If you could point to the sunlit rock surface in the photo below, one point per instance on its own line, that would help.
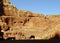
(25, 25)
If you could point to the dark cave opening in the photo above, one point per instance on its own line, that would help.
(7, 20)
(55, 37)
(1, 36)
(32, 37)
(1, 8)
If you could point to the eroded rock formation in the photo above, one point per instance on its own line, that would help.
(22, 24)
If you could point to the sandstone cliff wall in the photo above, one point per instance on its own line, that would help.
(22, 24)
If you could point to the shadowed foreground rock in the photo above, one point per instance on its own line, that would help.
(18, 24)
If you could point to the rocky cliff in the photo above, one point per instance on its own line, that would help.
(22, 24)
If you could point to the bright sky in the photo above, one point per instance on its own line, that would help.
(40, 6)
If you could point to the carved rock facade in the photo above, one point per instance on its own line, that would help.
(21, 24)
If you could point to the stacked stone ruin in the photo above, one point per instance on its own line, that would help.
(25, 25)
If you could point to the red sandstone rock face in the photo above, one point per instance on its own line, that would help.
(22, 24)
